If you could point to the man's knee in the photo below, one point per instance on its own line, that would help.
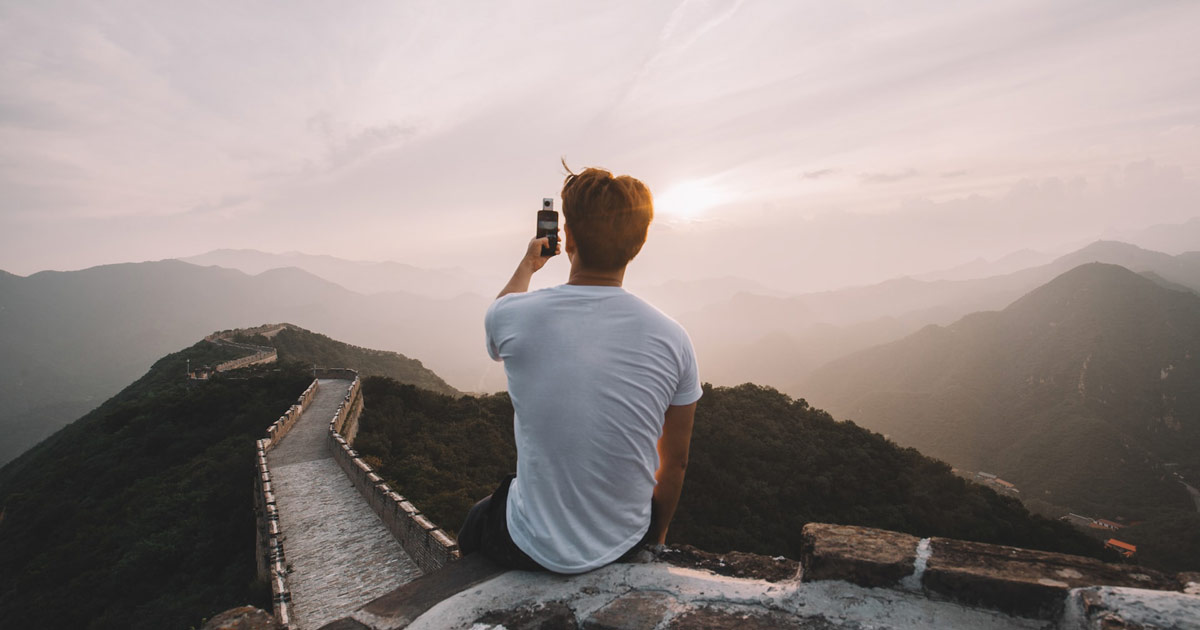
(470, 537)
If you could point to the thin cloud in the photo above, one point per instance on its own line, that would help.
(676, 36)
(887, 178)
(818, 174)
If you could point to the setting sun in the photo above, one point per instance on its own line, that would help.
(688, 199)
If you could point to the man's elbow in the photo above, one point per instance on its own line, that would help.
(676, 464)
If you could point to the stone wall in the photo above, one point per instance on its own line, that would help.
(426, 543)
(271, 563)
(345, 422)
(280, 427)
(342, 373)
(1020, 582)
(259, 354)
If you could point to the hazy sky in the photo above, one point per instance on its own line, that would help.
(808, 144)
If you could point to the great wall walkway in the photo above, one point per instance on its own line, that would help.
(340, 553)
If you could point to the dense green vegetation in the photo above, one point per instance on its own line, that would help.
(140, 514)
(762, 465)
(310, 348)
(1170, 542)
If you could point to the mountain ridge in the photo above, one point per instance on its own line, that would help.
(1083, 359)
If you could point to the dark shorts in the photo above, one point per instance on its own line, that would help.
(486, 531)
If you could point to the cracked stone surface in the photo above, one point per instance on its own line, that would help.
(1123, 608)
(699, 599)
(634, 611)
(340, 553)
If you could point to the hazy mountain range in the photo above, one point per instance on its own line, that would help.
(360, 277)
(779, 340)
(1085, 392)
(70, 339)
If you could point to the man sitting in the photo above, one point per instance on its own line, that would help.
(604, 389)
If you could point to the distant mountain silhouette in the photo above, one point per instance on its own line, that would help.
(68, 340)
(1079, 392)
(982, 268)
(739, 336)
(361, 277)
(1172, 238)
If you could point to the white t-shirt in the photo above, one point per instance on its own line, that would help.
(591, 371)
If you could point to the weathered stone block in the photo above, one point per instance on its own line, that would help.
(1022, 581)
(1119, 608)
(860, 555)
(551, 616)
(633, 611)
(423, 522)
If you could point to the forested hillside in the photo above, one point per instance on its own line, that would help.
(140, 514)
(762, 465)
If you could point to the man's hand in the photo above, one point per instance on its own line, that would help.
(530, 264)
(533, 253)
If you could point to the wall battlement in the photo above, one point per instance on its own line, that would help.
(269, 541)
(428, 546)
(426, 543)
(258, 354)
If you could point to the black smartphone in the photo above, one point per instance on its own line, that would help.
(547, 225)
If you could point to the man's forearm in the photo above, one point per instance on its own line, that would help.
(519, 283)
(533, 260)
(664, 502)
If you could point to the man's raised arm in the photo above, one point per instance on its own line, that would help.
(673, 449)
(533, 261)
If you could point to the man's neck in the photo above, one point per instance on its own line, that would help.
(583, 276)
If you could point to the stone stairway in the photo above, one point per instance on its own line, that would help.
(340, 554)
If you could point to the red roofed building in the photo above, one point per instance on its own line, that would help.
(1123, 548)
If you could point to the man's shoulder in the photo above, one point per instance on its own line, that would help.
(656, 314)
(515, 300)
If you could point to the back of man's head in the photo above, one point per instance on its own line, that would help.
(608, 217)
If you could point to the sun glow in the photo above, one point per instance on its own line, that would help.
(688, 199)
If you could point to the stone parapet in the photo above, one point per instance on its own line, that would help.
(280, 427)
(345, 374)
(427, 544)
(258, 354)
(1016, 581)
(271, 563)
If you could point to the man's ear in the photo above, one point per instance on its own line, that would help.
(568, 243)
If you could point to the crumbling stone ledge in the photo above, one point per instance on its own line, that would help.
(852, 577)
(1016, 581)
(733, 564)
